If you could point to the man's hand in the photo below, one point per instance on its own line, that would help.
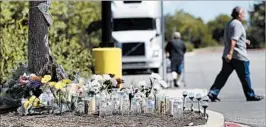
(248, 42)
(228, 57)
(167, 54)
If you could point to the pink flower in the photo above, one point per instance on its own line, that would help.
(23, 80)
(79, 91)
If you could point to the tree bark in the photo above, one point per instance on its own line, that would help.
(40, 60)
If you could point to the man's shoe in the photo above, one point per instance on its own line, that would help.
(175, 83)
(213, 98)
(255, 98)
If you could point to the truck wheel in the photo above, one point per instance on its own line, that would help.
(155, 70)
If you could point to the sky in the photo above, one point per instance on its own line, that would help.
(206, 10)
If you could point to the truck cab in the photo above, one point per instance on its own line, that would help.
(137, 31)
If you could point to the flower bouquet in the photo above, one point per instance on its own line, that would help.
(41, 95)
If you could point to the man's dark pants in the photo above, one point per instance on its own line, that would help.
(177, 66)
(242, 70)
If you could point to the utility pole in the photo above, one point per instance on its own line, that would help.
(103, 63)
(106, 24)
(163, 44)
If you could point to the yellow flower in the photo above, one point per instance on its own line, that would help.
(63, 85)
(60, 85)
(46, 79)
(66, 81)
(57, 86)
(36, 102)
(32, 98)
(52, 84)
(26, 104)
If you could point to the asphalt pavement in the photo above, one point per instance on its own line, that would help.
(201, 68)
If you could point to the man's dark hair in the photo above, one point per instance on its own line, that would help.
(236, 12)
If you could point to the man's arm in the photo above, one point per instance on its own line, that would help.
(231, 51)
(235, 32)
(168, 49)
(248, 42)
(185, 48)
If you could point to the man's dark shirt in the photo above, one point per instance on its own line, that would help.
(176, 49)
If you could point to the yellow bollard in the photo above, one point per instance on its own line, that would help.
(108, 61)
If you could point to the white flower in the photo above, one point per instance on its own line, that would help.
(31, 75)
(137, 95)
(103, 94)
(95, 83)
(99, 77)
(114, 82)
(157, 87)
(162, 83)
(96, 77)
(142, 95)
(142, 84)
(95, 89)
(82, 81)
(86, 88)
(106, 77)
(156, 76)
(128, 90)
(93, 77)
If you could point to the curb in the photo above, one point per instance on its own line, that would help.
(215, 119)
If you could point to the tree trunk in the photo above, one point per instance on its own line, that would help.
(40, 60)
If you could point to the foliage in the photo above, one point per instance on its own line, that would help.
(13, 36)
(189, 46)
(192, 29)
(256, 31)
(216, 27)
(69, 43)
(68, 39)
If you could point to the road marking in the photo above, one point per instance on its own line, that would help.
(231, 124)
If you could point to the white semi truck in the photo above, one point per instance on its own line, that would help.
(137, 31)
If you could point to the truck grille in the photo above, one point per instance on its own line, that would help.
(133, 49)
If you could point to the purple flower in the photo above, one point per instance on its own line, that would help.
(35, 84)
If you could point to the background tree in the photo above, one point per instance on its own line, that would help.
(216, 27)
(192, 29)
(40, 61)
(256, 30)
(70, 43)
(68, 40)
(13, 36)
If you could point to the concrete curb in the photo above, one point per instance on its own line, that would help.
(215, 119)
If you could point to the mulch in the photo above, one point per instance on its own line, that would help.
(71, 120)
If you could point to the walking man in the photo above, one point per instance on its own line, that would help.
(175, 50)
(235, 58)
